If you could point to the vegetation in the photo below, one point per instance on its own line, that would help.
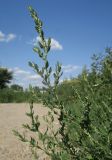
(85, 123)
(8, 95)
(5, 77)
(16, 94)
(16, 87)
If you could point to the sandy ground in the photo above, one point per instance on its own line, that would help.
(12, 116)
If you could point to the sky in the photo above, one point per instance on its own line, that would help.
(78, 29)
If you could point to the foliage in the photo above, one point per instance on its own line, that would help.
(85, 126)
(68, 97)
(16, 87)
(8, 95)
(16, 94)
(5, 77)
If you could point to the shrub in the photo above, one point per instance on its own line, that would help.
(85, 126)
(8, 95)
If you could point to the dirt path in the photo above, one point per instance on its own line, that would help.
(12, 116)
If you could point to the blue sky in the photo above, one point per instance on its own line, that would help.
(78, 29)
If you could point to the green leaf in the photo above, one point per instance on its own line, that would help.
(49, 45)
(30, 64)
(46, 64)
(49, 42)
(33, 142)
(46, 77)
(40, 44)
(54, 75)
(50, 70)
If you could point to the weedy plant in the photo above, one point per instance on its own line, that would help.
(85, 127)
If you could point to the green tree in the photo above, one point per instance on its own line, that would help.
(16, 87)
(5, 77)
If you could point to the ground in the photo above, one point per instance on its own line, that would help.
(12, 116)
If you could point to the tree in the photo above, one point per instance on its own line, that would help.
(16, 87)
(5, 77)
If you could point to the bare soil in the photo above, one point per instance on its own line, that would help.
(12, 116)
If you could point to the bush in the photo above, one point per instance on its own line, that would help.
(16, 94)
(85, 130)
(8, 95)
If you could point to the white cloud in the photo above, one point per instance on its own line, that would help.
(55, 45)
(18, 71)
(25, 78)
(10, 37)
(6, 38)
(2, 36)
(33, 77)
(24, 74)
(70, 68)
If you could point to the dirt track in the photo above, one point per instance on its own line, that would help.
(12, 116)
